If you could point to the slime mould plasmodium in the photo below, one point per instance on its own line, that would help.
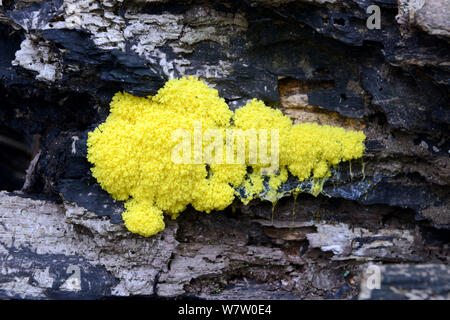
(132, 152)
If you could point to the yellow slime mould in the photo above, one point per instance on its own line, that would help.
(131, 152)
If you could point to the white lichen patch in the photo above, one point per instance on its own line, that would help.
(147, 31)
(181, 33)
(151, 31)
(97, 17)
(37, 56)
(114, 25)
(172, 68)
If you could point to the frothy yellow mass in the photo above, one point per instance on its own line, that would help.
(131, 152)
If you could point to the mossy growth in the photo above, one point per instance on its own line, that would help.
(131, 153)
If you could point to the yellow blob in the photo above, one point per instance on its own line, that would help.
(143, 218)
(131, 152)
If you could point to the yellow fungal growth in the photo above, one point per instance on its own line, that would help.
(132, 153)
(143, 218)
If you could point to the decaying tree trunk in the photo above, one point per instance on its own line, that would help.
(378, 231)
